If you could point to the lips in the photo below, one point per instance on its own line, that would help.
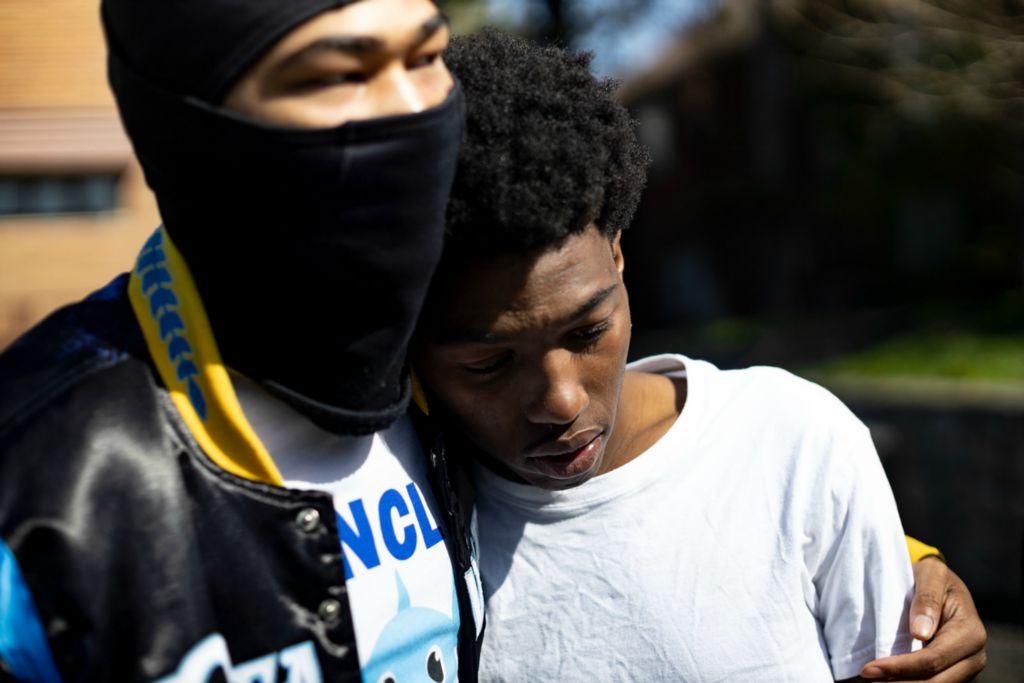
(564, 461)
(563, 446)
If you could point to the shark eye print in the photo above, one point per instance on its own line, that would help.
(418, 644)
(435, 665)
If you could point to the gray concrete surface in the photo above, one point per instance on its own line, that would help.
(1005, 653)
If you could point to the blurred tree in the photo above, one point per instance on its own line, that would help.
(560, 22)
(827, 154)
(466, 16)
(623, 34)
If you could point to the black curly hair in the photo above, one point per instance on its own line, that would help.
(548, 149)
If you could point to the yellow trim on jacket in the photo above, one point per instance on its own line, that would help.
(180, 340)
(919, 550)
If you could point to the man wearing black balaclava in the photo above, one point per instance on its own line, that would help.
(205, 466)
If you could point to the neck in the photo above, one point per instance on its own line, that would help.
(648, 407)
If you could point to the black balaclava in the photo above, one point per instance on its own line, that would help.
(312, 249)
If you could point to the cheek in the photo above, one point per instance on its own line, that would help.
(433, 82)
(476, 414)
(610, 368)
(469, 412)
(490, 431)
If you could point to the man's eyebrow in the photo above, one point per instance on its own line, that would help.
(593, 302)
(359, 45)
(472, 336)
(468, 336)
(431, 26)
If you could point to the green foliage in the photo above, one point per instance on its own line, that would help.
(955, 355)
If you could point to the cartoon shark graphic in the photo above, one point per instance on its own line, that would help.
(418, 644)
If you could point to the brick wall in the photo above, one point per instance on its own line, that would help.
(52, 68)
(52, 54)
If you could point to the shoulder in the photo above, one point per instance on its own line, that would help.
(788, 430)
(89, 472)
(72, 344)
(77, 395)
(759, 382)
(768, 409)
(780, 398)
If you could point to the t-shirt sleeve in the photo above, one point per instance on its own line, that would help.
(859, 564)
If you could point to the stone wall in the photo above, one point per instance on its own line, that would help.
(957, 471)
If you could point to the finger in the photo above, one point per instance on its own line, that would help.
(954, 643)
(919, 665)
(961, 672)
(931, 581)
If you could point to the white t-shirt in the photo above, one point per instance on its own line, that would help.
(397, 568)
(757, 540)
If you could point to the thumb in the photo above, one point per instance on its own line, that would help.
(930, 580)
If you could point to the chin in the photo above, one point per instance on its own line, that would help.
(562, 484)
(559, 483)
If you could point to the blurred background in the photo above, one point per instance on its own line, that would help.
(837, 188)
(74, 208)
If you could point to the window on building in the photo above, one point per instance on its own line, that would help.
(55, 194)
(61, 161)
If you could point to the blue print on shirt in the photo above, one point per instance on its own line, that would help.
(418, 644)
(404, 525)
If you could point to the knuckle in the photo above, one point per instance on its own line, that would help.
(931, 663)
(928, 601)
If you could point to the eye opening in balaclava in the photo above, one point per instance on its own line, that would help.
(312, 250)
(201, 47)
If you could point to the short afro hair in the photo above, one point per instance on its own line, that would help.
(548, 148)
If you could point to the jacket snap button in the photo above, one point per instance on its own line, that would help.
(329, 610)
(308, 519)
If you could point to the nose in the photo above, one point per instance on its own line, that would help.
(558, 396)
(397, 93)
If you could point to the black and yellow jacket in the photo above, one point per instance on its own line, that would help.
(130, 552)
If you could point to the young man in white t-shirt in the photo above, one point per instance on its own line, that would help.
(669, 521)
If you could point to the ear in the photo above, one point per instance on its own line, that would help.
(616, 245)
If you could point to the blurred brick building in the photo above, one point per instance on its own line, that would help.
(73, 203)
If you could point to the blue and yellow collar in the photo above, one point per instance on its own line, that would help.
(180, 340)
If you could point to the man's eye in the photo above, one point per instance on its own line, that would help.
(489, 366)
(587, 336)
(332, 80)
(425, 60)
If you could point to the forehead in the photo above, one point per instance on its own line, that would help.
(380, 20)
(524, 290)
